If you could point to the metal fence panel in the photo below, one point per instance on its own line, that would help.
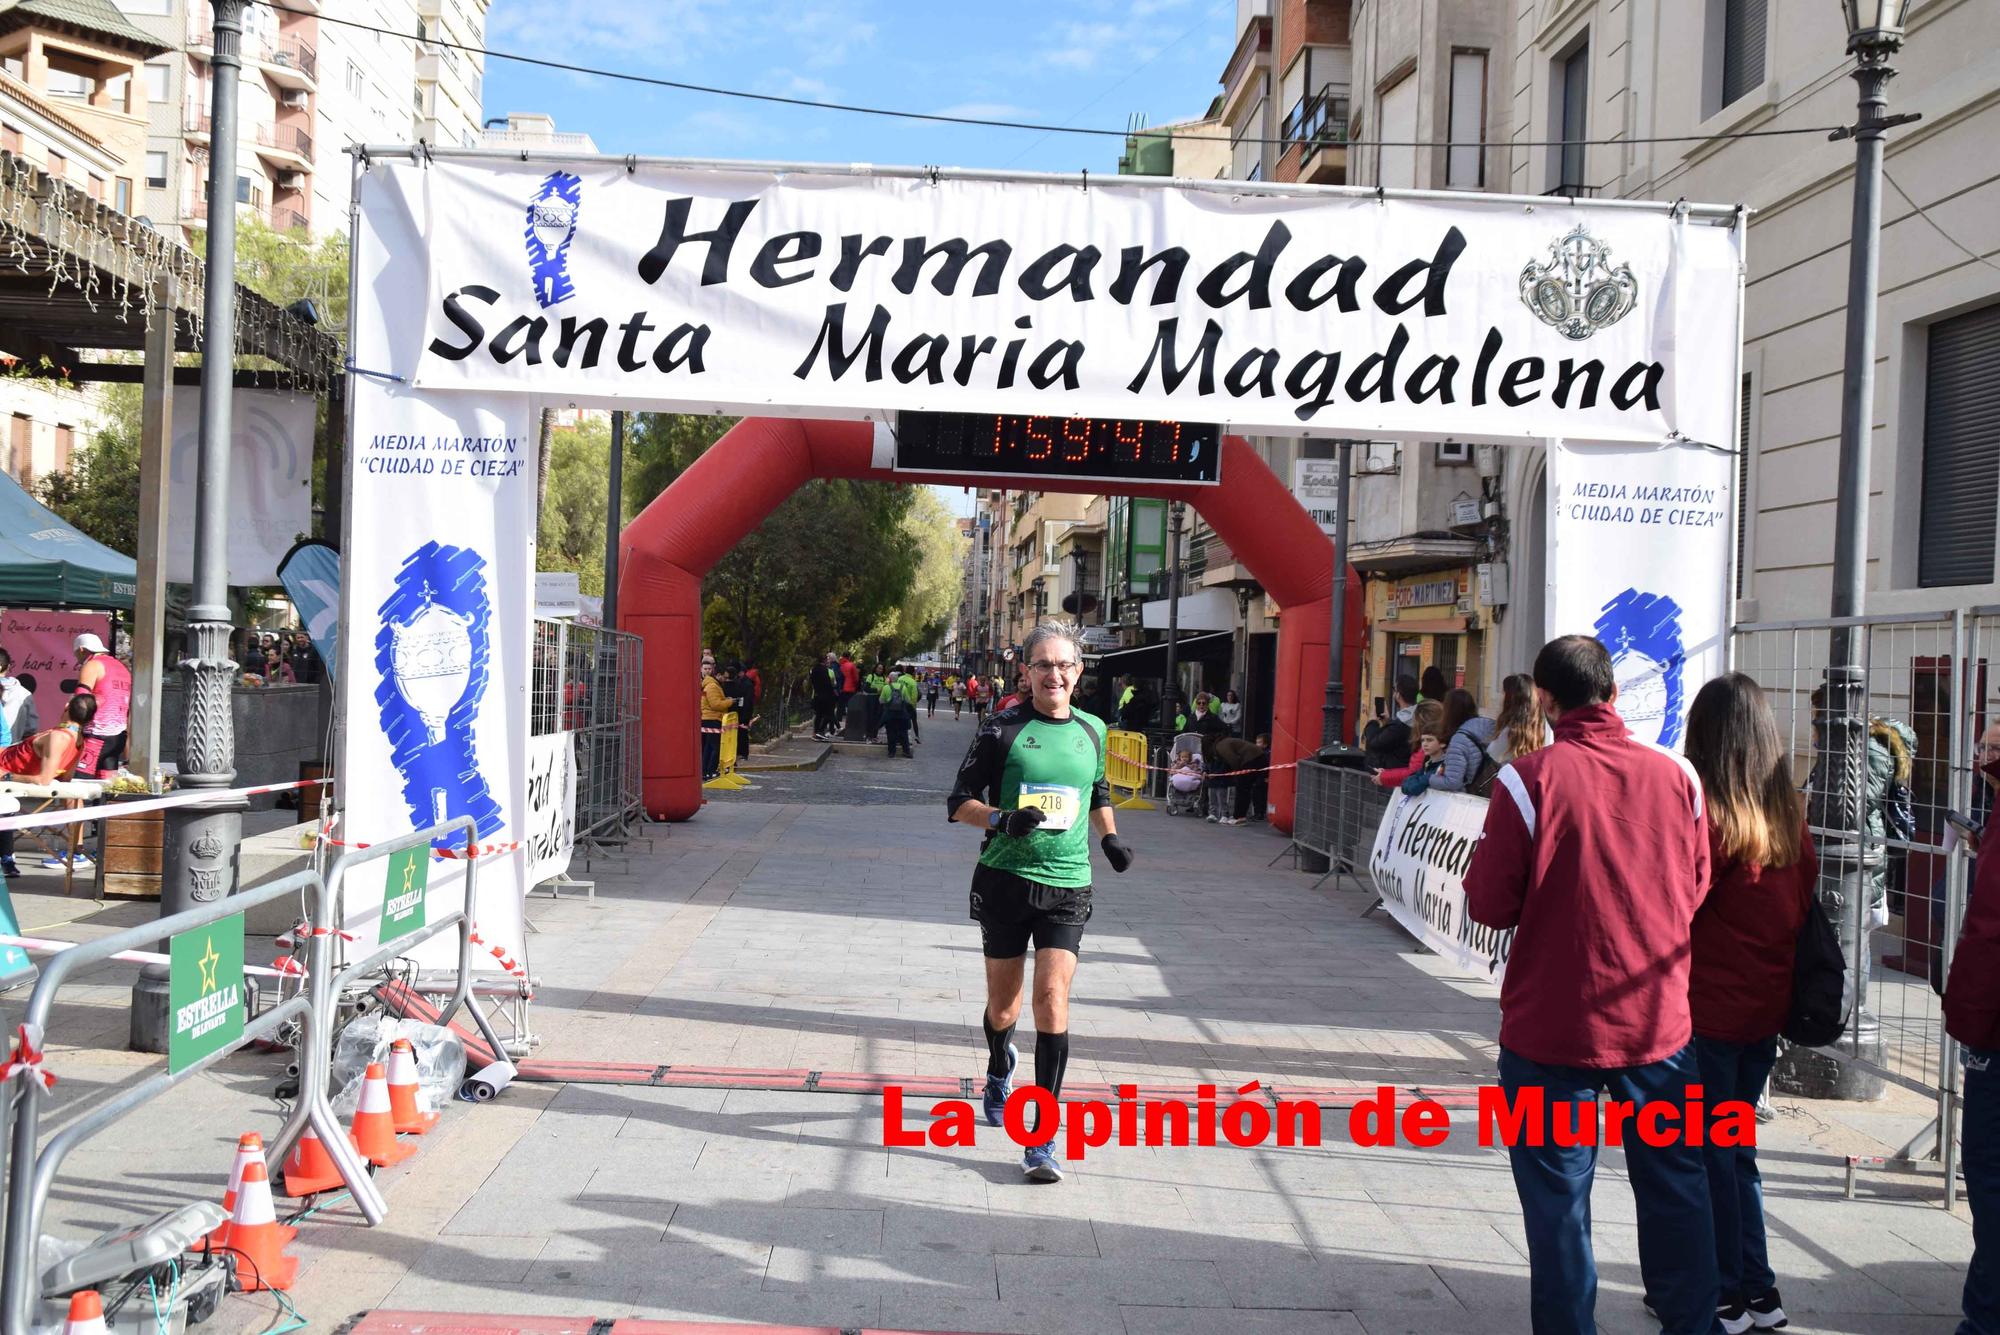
(586, 681)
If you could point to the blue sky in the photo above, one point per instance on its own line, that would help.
(1083, 62)
(1075, 62)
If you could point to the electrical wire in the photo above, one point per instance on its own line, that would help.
(942, 118)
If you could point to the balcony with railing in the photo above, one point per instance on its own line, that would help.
(1319, 121)
(195, 124)
(290, 63)
(288, 145)
(288, 220)
(1571, 190)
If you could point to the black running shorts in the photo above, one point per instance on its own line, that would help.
(1011, 910)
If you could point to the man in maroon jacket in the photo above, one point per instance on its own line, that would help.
(1972, 1016)
(1595, 851)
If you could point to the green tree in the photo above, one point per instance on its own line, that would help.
(920, 618)
(572, 520)
(100, 493)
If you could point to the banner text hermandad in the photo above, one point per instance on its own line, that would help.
(1297, 314)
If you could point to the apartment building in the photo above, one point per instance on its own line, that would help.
(309, 89)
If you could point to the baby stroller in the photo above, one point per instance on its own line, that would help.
(1184, 781)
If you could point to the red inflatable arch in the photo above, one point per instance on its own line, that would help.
(731, 488)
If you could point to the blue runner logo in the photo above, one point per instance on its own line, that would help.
(1643, 633)
(552, 216)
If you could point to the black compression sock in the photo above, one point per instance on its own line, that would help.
(996, 1045)
(1051, 1060)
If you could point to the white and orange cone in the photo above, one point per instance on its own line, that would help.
(408, 1109)
(311, 1169)
(254, 1231)
(86, 1314)
(374, 1125)
(249, 1147)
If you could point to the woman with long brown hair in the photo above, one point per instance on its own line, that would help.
(1521, 727)
(1761, 873)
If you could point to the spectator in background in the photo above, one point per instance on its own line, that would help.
(277, 669)
(1466, 767)
(1393, 742)
(1595, 851)
(1426, 721)
(1252, 789)
(1521, 728)
(110, 681)
(899, 711)
(306, 667)
(1230, 710)
(850, 681)
(714, 704)
(1761, 875)
(826, 698)
(1433, 686)
(1972, 1016)
(1208, 725)
(18, 720)
(1135, 707)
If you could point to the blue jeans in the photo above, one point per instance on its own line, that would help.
(1981, 1153)
(1676, 1234)
(1735, 1188)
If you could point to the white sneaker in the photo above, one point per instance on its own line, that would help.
(82, 859)
(1215, 820)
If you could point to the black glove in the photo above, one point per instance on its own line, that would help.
(1023, 820)
(1116, 851)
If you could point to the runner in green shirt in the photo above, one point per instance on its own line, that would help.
(1034, 781)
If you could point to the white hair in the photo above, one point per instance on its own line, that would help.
(1052, 630)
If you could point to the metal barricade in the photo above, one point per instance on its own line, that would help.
(31, 1171)
(1891, 876)
(585, 681)
(1336, 812)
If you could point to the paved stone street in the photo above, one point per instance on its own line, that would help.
(777, 932)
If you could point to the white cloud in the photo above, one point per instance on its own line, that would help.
(1080, 46)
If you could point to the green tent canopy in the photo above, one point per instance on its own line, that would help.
(46, 562)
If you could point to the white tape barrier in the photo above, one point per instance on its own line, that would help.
(120, 810)
(41, 946)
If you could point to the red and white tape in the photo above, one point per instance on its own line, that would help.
(119, 810)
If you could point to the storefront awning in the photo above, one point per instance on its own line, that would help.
(1150, 660)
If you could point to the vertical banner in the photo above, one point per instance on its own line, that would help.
(1639, 541)
(551, 820)
(438, 591)
(40, 643)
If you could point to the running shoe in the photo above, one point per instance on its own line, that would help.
(1040, 1164)
(7, 868)
(56, 863)
(1767, 1312)
(1733, 1316)
(1215, 820)
(998, 1087)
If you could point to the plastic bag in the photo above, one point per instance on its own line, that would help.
(440, 1058)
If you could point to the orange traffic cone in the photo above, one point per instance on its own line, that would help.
(408, 1108)
(255, 1233)
(374, 1131)
(86, 1314)
(311, 1169)
(249, 1146)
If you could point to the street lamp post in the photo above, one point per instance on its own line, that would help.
(1335, 708)
(1176, 516)
(200, 842)
(1849, 864)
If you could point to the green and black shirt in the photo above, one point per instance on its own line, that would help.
(1019, 758)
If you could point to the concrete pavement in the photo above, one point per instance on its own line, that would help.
(794, 926)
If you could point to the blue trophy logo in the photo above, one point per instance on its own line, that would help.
(552, 214)
(431, 657)
(1643, 633)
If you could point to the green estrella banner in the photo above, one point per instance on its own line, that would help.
(204, 991)
(403, 892)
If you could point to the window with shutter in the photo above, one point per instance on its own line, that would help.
(1743, 452)
(1742, 47)
(1961, 489)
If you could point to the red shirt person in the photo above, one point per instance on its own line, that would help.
(101, 675)
(1595, 851)
(1972, 1016)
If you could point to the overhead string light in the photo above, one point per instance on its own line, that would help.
(1038, 127)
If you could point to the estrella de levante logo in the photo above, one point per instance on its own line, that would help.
(552, 216)
(1648, 659)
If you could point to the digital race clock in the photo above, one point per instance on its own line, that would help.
(1088, 448)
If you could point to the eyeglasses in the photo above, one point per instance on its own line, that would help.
(1051, 667)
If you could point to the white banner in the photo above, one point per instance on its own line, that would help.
(1328, 314)
(270, 482)
(551, 821)
(1639, 541)
(437, 607)
(1422, 849)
